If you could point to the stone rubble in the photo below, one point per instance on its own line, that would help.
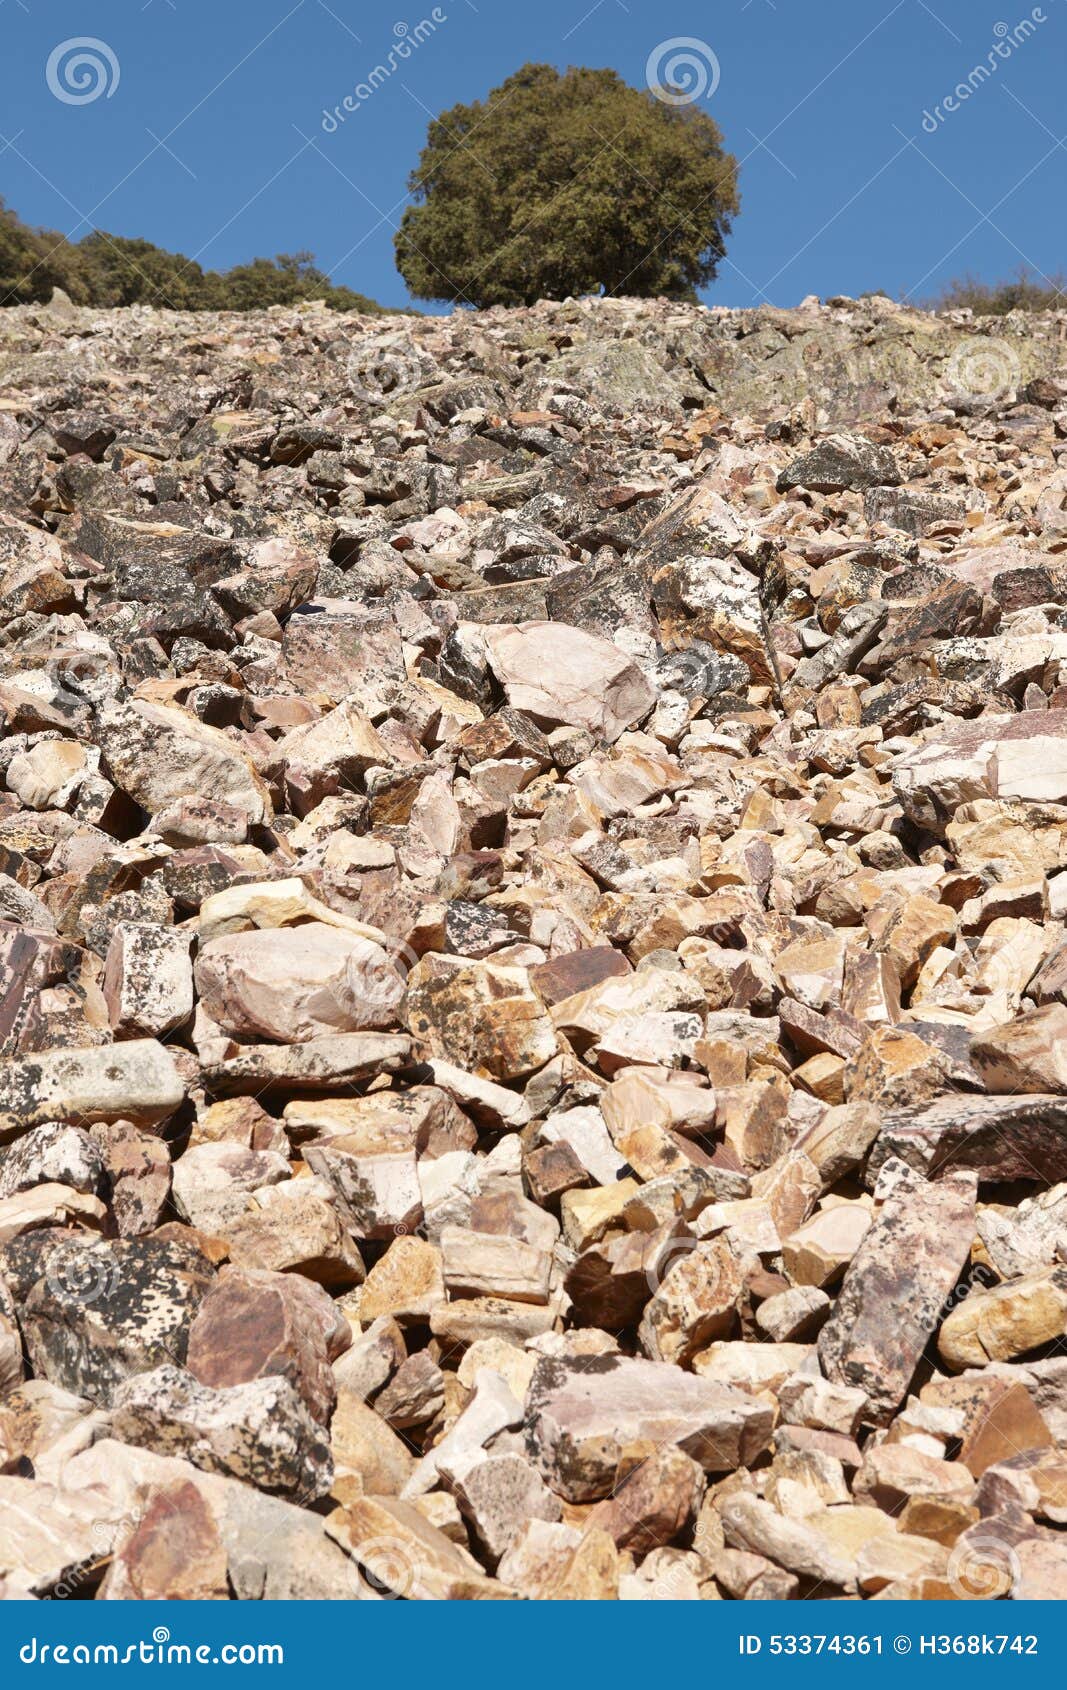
(533, 954)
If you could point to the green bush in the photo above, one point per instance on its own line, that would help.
(564, 184)
(109, 270)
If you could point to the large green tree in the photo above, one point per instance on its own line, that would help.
(563, 184)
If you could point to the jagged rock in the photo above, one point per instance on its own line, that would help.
(563, 675)
(211, 1183)
(98, 1313)
(365, 1444)
(550, 1562)
(1026, 1239)
(654, 1504)
(893, 1474)
(498, 1495)
(407, 1282)
(491, 1410)
(296, 983)
(54, 1153)
(998, 1138)
(696, 1301)
(416, 1393)
(139, 1171)
(999, 1418)
(821, 1248)
(330, 1063)
(255, 1324)
(794, 1314)
(897, 1285)
(378, 1195)
(51, 1541)
(1026, 1055)
(271, 903)
(148, 980)
(258, 1432)
(296, 1228)
(583, 1415)
(612, 1280)
(272, 1549)
(38, 1419)
(48, 1206)
(1020, 757)
(840, 461)
(157, 753)
(403, 1555)
(1006, 1321)
(484, 1016)
(795, 1545)
(175, 1552)
(136, 1082)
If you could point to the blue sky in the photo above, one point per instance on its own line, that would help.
(212, 143)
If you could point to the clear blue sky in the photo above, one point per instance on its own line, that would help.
(212, 141)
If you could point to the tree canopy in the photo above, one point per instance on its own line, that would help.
(567, 183)
(109, 270)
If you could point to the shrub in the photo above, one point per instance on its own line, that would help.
(1026, 292)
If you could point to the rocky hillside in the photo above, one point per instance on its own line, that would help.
(533, 882)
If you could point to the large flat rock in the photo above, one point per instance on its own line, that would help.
(582, 1416)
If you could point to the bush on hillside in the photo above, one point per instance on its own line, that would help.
(1026, 292)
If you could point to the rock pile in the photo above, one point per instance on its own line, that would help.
(533, 970)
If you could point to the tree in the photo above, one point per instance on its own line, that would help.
(117, 271)
(109, 270)
(564, 184)
(33, 262)
(285, 280)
